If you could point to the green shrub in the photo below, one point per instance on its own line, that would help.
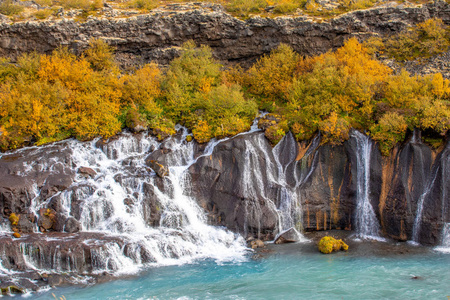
(271, 77)
(390, 130)
(43, 14)
(423, 40)
(245, 7)
(9, 8)
(100, 55)
(143, 4)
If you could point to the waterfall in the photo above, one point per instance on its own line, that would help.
(290, 209)
(440, 171)
(419, 212)
(366, 222)
(114, 208)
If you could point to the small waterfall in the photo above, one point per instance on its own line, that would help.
(440, 171)
(367, 226)
(253, 184)
(290, 209)
(419, 213)
(445, 243)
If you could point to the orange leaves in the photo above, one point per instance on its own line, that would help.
(202, 132)
(58, 96)
(63, 67)
(142, 88)
(334, 129)
(440, 87)
(272, 75)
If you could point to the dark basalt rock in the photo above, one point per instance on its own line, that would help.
(87, 172)
(152, 209)
(72, 225)
(222, 182)
(26, 223)
(31, 173)
(159, 169)
(156, 36)
(436, 204)
(406, 174)
(328, 195)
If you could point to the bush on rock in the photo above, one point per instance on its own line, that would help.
(329, 244)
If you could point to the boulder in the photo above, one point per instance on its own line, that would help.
(256, 243)
(72, 225)
(26, 223)
(87, 172)
(47, 219)
(9, 288)
(159, 169)
(289, 236)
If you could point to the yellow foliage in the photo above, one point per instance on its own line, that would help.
(142, 88)
(426, 39)
(100, 55)
(202, 132)
(391, 129)
(435, 115)
(14, 219)
(329, 244)
(334, 129)
(272, 75)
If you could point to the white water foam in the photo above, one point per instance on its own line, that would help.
(445, 244)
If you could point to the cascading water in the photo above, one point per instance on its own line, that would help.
(129, 217)
(420, 202)
(290, 209)
(366, 222)
(115, 204)
(442, 171)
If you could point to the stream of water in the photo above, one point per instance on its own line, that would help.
(367, 225)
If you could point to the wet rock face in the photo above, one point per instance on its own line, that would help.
(71, 255)
(329, 193)
(436, 202)
(232, 185)
(406, 176)
(244, 185)
(155, 36)
(33, 173)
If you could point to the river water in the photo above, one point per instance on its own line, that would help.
(369, 270)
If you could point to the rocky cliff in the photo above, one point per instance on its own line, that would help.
(406, 190)
(245, 185)
(156, 36)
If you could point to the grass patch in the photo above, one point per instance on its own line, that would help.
(143, 4)
(43, 14)
(9, 8)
